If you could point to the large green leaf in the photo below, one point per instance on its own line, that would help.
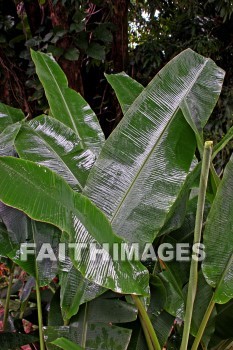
(137, 195)
(99, 336)
(218, 240)
(108, 308)
(161, 320)
(48, 142)
(76, 290)
(127, 90)
(145, 161)
(9, 115)
(173, 281)
(93, 327)
(202, 299)
(67, 105)
(45, 196)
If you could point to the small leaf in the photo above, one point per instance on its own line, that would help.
(126, 89)
(72, 54)
(103, 33)
(96, 51)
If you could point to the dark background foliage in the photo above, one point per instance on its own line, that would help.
(89, 38)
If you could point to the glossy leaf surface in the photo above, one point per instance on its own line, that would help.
(45, 196)
(48, 142)
(75, 289)
(99, 336)
(7, 139)
(145, 161)
(218, 240)
(66, 105)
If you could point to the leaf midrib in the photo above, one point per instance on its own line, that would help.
(155, 145)
(61, 94)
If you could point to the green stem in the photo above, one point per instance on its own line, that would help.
(210, 306)
(53, 290)
(193, 277)
(8, 297)
(146, 334)
(147, 322)
(38, 297)
(66, 322)
(203, 324)
(39, 310)
(22, 308)
(84, 333)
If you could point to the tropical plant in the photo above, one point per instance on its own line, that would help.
(61, 183)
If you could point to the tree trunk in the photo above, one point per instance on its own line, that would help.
(33, 12)
(72, 69)
(120, 36)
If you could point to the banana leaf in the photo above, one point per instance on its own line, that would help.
(48, 142)
(145, 162)
(66, 105)
(45, 196)
(218, 240)
(94, 328)
(126, 89)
